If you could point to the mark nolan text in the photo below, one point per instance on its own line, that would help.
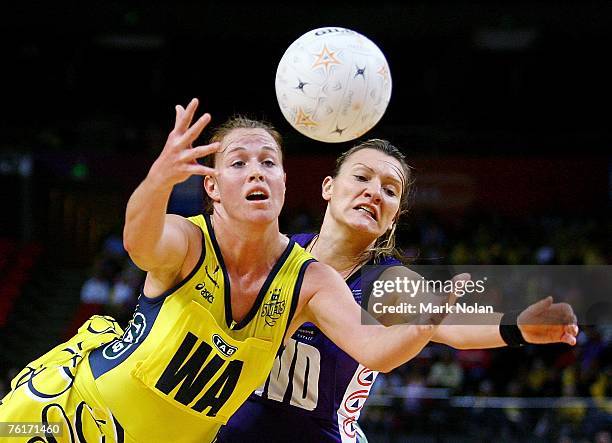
(432, 308)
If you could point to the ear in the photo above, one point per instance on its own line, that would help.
(211, 188)
(327, 188)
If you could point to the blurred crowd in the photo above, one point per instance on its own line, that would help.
(566, 392)
(480, 238)
(114, 284)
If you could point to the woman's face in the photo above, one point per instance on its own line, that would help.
(250, 181)
(366, 193)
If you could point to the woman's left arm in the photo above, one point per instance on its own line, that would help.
(543, 322)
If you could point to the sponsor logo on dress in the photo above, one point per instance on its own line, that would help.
(131, 336)
(223, 347)
(208, 296)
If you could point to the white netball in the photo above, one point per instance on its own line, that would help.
(333, 84)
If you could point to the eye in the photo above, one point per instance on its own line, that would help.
(360, 178)
(390, 192)
(268, 163)
(238, 164)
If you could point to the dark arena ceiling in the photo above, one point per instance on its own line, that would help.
(474, 77)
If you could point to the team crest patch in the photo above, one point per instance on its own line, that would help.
(273, 310)
(223, 347)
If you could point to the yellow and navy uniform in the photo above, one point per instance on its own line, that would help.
(183, 366)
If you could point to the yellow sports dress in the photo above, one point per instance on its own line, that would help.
(183, 366)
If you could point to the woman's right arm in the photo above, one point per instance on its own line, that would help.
(155, 240)
(330, 305)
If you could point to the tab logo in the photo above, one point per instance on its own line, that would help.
(224, 348)
(131, 337)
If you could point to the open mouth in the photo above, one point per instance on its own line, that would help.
(257, 196)
(367, 210)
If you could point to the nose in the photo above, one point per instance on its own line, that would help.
(372, 191)
(256, 174)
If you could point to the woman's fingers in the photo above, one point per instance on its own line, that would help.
(194, 132)
(202, 151)
(185, 116)
(197, 169)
